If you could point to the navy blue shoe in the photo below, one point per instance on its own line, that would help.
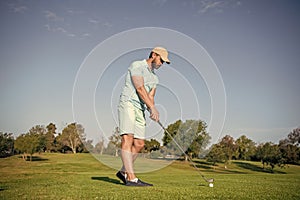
(148, 184)
(139, 183)
(121, 176)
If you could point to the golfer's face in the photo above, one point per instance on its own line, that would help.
(157, 62)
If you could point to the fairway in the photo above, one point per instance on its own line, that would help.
(81, 176)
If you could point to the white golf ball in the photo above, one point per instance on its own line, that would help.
(211, 185)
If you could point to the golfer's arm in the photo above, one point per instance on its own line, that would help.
(151, 95)
(148, 99)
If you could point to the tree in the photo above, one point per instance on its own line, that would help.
(200, 142)
(6, 144)
(50, 138)
(30, 142)
(110, 149)
(38, 132)
(270, 154)
(20, 145)
(99, 147)
(289, 147)
(245, 147)
(224, 151)
(294, 137)
(172, 129)
(289, 151)
(216, 154)
(229, 147)
(150, 145)
(72, 136)
(86, 146)
(115, 141)
(190, 137)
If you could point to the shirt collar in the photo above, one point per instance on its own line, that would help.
(147, 66)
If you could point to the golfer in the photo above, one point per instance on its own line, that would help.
(138, 95)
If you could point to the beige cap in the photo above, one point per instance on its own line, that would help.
(163, 53)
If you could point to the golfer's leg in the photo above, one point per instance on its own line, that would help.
(138, 144)
(127, 156)
(139, 133)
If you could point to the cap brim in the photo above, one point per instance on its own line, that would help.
(166, 60)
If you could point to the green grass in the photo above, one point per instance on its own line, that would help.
(81, 176)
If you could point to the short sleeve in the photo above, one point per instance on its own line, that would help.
(136, 70)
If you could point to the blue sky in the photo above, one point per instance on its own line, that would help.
(254, 44)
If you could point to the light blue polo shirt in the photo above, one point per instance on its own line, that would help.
(138, 68)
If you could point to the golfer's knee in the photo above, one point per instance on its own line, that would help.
(139, 144)
(127, 142)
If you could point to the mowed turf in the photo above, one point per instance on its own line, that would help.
(81, 176)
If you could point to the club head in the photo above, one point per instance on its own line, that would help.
(211, 180)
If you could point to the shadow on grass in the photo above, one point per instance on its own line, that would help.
(35, 158)
(198, 163)
(250, 166)
(256, 168)
(3, 188)
(107, 179)
(203, 185)
(203, 164)
(208, 167)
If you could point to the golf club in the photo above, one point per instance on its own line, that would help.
(210, 180)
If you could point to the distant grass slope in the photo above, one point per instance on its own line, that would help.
(81, 176)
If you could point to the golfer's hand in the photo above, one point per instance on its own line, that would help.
(154, 114)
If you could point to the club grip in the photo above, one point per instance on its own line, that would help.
(161, 125)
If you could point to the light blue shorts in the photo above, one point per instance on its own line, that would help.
(131, 120)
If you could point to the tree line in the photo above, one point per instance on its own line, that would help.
(72, 139)
(190, 136)
(44, 139)
(287, 151)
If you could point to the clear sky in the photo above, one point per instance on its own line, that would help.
(254, 44)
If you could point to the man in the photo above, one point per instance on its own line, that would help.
(138, 92)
